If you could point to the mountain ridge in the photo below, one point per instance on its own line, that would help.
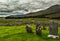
(45, 13)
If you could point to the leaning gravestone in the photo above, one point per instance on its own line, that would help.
(28, 28)
(53, 30)
(38, 29)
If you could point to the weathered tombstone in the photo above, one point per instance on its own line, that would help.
(38, 29)
(37, 25)
(28, 28)
(53, 30)
(44, 26)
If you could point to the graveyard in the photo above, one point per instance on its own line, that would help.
(19, 33)
(29, 20)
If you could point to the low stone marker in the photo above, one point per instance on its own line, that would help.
(53, 30)
(28, 28)
(44, 26)
(38, 29)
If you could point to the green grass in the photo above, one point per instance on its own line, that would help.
(18, 33)
(14, 21)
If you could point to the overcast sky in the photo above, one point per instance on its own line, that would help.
(3, 0)
(24, 1)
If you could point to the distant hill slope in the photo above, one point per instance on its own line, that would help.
(52, 12)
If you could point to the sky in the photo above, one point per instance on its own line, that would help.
(25, 1)
(41, 4)
(3, 0)
(32, 3)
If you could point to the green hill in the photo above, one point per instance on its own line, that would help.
(52, 12)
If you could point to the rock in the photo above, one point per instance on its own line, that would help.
(44, 26)
(28, 28)
(53, 29)
(38, 29)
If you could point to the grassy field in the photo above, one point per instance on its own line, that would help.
(18, 33)
(15, 21)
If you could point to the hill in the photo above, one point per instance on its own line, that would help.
(53, 11)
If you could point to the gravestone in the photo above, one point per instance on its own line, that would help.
(38, 25)
(44, 26)
(38, 29)
(53, 30)
(28, 28)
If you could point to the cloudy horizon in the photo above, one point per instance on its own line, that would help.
(26, 6)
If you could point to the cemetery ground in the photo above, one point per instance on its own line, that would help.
(18, 33)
